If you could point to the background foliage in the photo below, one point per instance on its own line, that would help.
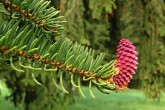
(100, 24)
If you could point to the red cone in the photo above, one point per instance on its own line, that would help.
(126, 63)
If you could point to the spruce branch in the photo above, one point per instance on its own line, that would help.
(62, 55)
(36, 12)
(26, 44)
(65, 56)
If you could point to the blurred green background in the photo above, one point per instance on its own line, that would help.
(100, 24)
(126, 100)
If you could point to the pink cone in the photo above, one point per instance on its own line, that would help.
(126, 63)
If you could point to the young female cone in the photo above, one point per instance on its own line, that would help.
(126, 63)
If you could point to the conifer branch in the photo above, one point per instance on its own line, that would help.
(27, 45)
(63, 55)
(36, 12)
